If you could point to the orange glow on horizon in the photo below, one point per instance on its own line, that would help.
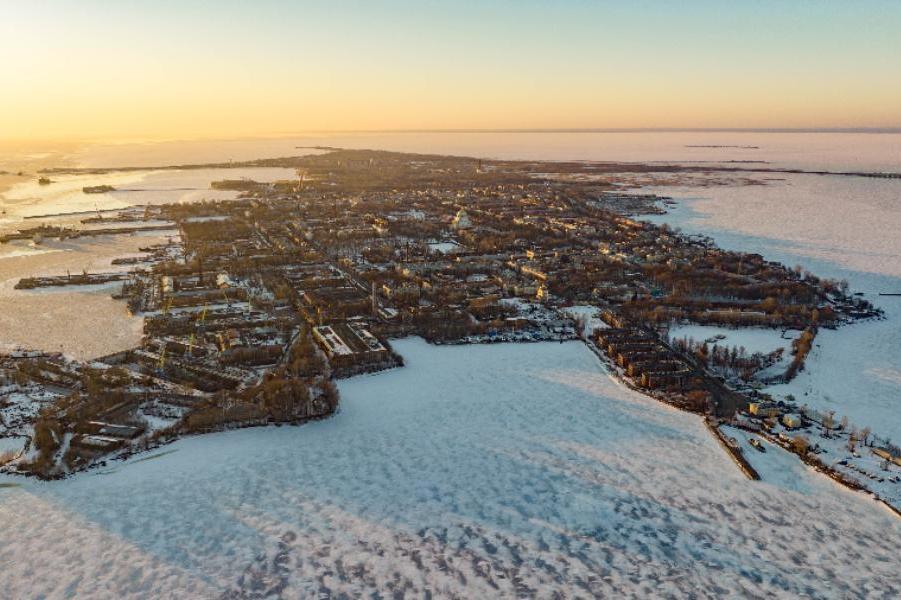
(138, 70)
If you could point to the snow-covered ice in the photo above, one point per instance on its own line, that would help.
(82, 321)
(505, 470)
(64, 195)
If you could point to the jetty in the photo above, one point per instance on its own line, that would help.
(63, 233)
(733, 450)
(30, 283)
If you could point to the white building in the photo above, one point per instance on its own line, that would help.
(461, 220)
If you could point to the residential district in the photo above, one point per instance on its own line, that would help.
(258, 304)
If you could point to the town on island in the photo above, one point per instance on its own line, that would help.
(256, 305)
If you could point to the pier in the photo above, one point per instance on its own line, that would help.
(61, 233)
(30, 283)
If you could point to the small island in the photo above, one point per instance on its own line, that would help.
(98, 189)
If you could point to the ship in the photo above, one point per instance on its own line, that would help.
(97, 189)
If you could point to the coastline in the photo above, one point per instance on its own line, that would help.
(856, 369)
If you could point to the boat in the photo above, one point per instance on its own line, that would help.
(756, 443)
(97, 189)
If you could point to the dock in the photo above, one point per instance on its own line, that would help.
(60, 233)
(30, 283)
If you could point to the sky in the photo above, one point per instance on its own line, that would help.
(79, 69)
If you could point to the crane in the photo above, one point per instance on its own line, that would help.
(198, 327)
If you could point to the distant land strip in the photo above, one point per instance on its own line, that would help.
(580, 166)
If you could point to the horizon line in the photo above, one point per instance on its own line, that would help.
(138, 138)
(888, 129)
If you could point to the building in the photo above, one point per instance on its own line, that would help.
(764, 409)
(350, 345)
(791, 421)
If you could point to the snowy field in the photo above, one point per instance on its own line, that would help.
(590, 316)
(11, 444)
(500, 471)
(753, 339)
(445, 247)
(856, 372)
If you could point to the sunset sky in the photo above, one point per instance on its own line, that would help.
(179, 68)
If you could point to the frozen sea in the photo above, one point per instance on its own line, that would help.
(29, 199)
(496, 471)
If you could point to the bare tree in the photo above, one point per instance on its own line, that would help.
(865, 435)
(829, 420)
(800, 444)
